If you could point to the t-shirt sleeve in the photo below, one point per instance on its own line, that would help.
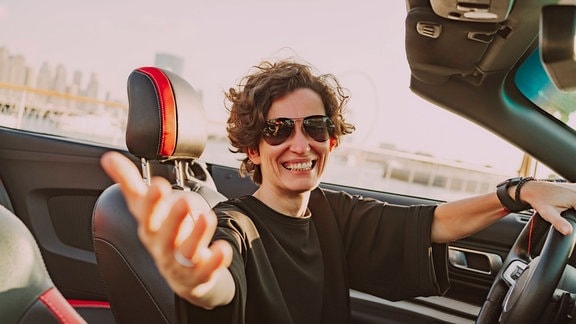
(388, 248)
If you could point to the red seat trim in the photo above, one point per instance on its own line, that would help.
(60, 308)
(79, 303)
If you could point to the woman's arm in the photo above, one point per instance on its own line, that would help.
(458, 219)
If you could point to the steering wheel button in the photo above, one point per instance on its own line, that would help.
(516, 274)
(514, 271)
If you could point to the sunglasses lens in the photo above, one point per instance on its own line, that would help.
(318, 127)
(277, 130)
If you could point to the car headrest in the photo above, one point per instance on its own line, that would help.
(166, 119)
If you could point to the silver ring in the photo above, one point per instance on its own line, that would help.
(182, 260)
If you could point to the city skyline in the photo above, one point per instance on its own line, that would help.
(15, 70)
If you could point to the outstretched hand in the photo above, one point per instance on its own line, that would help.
(176, 235)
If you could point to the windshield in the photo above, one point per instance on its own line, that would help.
(533, 81)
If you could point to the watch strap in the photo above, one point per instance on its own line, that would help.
(505, 199)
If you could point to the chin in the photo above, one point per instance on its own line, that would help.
(303, 187)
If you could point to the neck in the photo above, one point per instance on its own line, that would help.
(293, 204)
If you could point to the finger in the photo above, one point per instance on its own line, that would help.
(154, 207)
(186, 227)
(562, 226)
(215, 258)
(200, 237)
(556, 220)
(171, 225)
(140, 198)
(124, 172)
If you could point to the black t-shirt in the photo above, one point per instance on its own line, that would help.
(300, 270)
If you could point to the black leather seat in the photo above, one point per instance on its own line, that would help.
(27, 294)
(166, 125)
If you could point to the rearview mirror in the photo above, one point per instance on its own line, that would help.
(557, 44)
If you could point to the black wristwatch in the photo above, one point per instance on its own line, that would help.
(511, 204)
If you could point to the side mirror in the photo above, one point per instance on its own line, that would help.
(557, 44)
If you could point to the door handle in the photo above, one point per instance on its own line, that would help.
(473, 260)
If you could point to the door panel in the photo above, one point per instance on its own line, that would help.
(52, 185)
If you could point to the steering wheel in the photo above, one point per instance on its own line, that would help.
(524, 285)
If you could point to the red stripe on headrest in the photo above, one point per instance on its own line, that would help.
(167, 110)
(59, 307)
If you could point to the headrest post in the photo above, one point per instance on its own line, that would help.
(181, 166)
(145, 170)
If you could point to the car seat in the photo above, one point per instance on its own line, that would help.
(166, 126)
(27, 294)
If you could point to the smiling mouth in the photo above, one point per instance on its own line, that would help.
(300, 166)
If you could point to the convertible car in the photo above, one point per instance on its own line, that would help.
(504, 70)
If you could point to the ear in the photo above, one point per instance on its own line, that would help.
(332, 143)
(254, 155)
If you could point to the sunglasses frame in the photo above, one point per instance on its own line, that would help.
(275, 134)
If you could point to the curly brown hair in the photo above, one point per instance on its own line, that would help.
(250, 102)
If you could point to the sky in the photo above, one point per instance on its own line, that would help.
(361, 42)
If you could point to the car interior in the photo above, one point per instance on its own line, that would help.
(69, 245)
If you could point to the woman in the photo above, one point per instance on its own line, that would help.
(290, 252)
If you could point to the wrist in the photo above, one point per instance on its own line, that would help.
(509, 192)
(518, 189)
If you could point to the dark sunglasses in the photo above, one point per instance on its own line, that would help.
(277, 130)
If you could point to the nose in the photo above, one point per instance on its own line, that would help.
(299, 141)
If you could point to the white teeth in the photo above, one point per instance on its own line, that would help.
(302, 166)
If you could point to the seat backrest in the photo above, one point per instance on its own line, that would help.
(166, 124)
(27, 294)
